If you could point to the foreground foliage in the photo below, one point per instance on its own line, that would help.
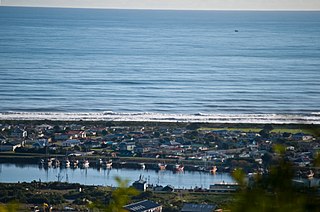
(275, 191)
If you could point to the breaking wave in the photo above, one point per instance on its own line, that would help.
(312, 118)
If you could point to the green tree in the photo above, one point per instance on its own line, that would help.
(119, 198)
(274, 192)
(11, 207)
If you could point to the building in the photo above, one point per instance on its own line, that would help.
(41, 143)
(140, 184)
(168, 188)
(144, 206)
(10, 146)
(224, 187)
(71, 143)
(127, 146)
(18, 133)
(189, 207)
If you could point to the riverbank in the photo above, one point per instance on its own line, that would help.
(62, 196)
(117, 162)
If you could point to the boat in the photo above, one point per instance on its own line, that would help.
(201, 168)
(142, 165)
(162, 166)
(85, 164)
(66, 163)
(42, 162)
(55, 162)
(49, 162)
(179, 167)
(213, 170)
(99, 162)
(107, 164)
(74, 163)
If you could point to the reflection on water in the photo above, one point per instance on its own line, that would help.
(91, 176)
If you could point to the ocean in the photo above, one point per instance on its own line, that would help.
(163, 62)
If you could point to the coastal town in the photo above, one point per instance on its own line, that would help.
(178, 147)
(190, 146)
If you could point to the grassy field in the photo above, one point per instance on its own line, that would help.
(179, 198)
(231, 129)
(277, 129)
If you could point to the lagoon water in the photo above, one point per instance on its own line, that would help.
(89, 60)
(91, 176)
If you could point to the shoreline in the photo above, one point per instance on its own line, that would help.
(313, 118)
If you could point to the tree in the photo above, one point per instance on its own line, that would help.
(119, 198)
(274, 192)
(11, 207)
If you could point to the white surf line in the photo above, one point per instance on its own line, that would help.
(158, 117)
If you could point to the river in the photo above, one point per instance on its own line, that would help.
(106, 177)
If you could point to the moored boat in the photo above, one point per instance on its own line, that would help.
(162, 166)
(66, 163)
(213, 170)
(55, 162)
(107, 164)
(85, 163)
(179, 167)
(99, 162)
(142, 165)
(74, 163)
(49, 162)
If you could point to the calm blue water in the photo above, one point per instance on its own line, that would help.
(78, 60)
(90, 176)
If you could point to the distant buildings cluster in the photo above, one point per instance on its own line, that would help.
(225, 148)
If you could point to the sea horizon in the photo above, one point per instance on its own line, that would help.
(164, 9)
(78, 60)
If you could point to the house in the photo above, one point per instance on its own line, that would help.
(60, 136)
(172, 143)
(70, 143)
(189, 207)
(301, 137)
(92, 144)
(141, 149)
(40, 143)
(18, 133)
(76, 134)
(127, 146)
(220, 132)
(10, 146)
(168, 188)
(224, 187)
(140, 184)
(158, 188)
(144, 206)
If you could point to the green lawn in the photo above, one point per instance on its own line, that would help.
(232, 129)
(278, 129)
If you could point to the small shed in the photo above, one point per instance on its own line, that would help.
(168, 188)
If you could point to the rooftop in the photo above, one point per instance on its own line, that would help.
(189, 207)
(141, 206)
